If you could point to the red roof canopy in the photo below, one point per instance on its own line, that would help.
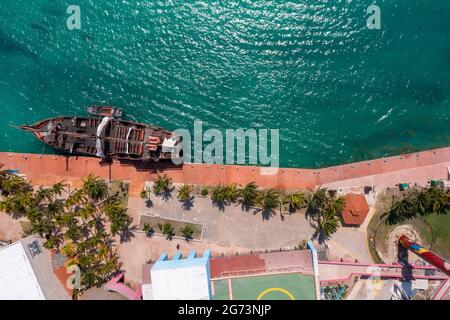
(355, 210)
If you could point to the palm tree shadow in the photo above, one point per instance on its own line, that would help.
(109, 242)
(390, 218)
(148, 203)
(188, 204)
(319, 236)
(402, 258)
(85, 231)
(266, 214)
(322, 238)
(150, 234)
(128, 233)
(402, 255)
(167, 195)
(219, 204)
(169, 236)
(15, 215)
(246, 207)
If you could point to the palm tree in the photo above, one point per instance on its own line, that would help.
(162, 184)
(316, 202)
(401, 209)
(90, 278)
(76, 223)
(231, 192)
(120, 223)
(41, 227)
(148, 229)
(44, 194)
(187, 232)
(76, 198)
(204, 192)
(184, 192)
(335, 206)
(422, 200)
(326, 226)
(59, 188)
(439, 200)
(86, 212)
(14, 184)
(109, 265)
(294, 201)
(95, 188)
(218, 194)
(113, 206)
(3, 175)
(54, 209)
(54, 240)
(249, 194)
(69, 249)
(34, 214)
(73, 233)
(66, 219)
(269, 199)
(8, 205)
(166, 229)
(446, 208)
(144, 194)
(17, 204)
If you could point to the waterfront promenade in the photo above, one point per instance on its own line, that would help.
(417, 167)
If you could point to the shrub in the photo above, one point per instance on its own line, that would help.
(204, 192)
(162, 184)
(184, 192)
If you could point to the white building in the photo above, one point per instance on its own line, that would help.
(179, 279)
(26, 273)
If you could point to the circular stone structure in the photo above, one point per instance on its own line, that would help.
(393, 243)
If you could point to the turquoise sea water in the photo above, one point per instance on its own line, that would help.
(337, 91)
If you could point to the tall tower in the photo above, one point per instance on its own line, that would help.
(425, 254)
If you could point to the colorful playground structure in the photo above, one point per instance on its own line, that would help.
(425, 254)
(116, 284)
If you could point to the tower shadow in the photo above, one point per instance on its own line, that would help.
(402, 258)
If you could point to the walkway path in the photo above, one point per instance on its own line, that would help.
(416, 167)
(332, 271)
(232, 226)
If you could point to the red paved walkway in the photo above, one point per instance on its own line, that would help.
(262, 263)
(47, 169)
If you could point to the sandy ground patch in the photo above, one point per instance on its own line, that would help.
(141, 249)
(10, 229)
(231, 226)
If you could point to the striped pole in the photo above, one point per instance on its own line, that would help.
(425, 254)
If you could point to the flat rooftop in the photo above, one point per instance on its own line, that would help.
(26, 272)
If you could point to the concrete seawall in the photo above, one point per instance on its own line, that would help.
(417, 167)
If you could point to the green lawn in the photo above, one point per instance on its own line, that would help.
(384, 230)
(440, 224)
(121, 189)
(434, 231)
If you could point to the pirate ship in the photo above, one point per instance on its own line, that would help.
(106, 135)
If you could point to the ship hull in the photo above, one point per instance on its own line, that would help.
(107, 138)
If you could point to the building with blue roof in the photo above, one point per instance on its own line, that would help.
(180, 278)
